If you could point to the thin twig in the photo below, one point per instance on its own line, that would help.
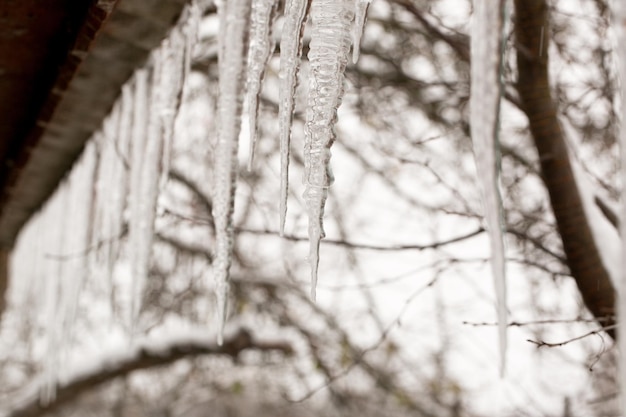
(541, 343)
(540, 322)
(338, 242)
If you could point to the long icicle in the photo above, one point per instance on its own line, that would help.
(234, 18)
(486, 91)
(107, 188)
(149, 183)
(172, 74)
(328, 57)
(290, 52)
(120, 176)
(139, 134)
(178, 51)
(56, 237)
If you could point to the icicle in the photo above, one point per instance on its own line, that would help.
(107, 187)
(190, 32)
(101, 193)
(93, 234)
(361, 7)
(259, 53)
(234, 18)
(119, 176)
(328, 56)
(486, 58)
(191, 36)
(290, 52)
(171, 84)
(149, 181)
(179, 52)
(620, 29)
(136, 204)
(79, 188)
(110, 172)
(55, 245)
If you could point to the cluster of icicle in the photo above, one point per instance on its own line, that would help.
(130, 156)
(245, 47)
(50, 261)
(111, 194)
(157, 96)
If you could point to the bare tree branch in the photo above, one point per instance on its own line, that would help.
(205, 200)
(607, 329)
(339, 242)
(144, 358)
(540, 322)
(608, 212)
(184, 247)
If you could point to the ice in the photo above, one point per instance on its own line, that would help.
(328, 57)
(65, 242)
(56, 243)
(119, 175)
(78, 222)
(156, 102)
(109, 166)
(171, 84)
(259, 53)
(234, 19)
(149, 178)
(176, 54)
(290, 52)
(191, 35)
(190, 32)
(360, 12)
(136, 204)
(486, 55)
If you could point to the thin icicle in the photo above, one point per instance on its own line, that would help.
(171, 79)
(328, 56)
(114, 174)
(620, 29)
(360, 13)
(119, 176)
(107, 187)
(176, 53)
(234, 18)
(136, 205)
(149, 182)
(65, 247)
(191, 36)
(79, 186)
(290, 52)
(93, 234)
(103, 188)
(55, 266)
(486, 58)
(259, 53)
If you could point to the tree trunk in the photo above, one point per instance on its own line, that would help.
(532, 34)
